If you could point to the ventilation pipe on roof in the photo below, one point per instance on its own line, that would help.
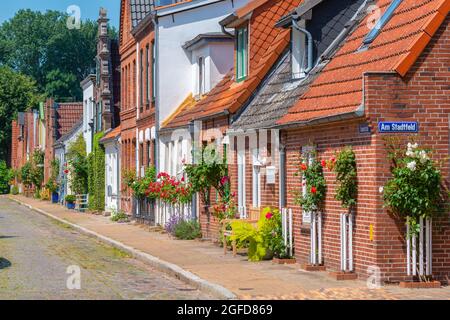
(310, 42)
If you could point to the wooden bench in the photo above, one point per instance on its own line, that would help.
(253, 218)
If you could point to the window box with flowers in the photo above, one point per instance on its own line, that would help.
(415, 195)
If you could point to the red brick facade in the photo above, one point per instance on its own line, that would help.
(422, 95)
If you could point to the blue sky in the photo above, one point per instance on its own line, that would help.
(89, 8)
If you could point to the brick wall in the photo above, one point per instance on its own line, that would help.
(328, 139)
(422, 95)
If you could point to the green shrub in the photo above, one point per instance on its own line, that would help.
(187, 230)
(70, 198)
(15, 190)
(5, 177)
(119, 216)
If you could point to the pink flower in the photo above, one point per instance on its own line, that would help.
(224, 180)
(269, 215)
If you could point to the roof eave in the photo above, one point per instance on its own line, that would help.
(358, 113)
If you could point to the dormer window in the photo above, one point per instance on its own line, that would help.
(201, 77)
(241, 54)
(302, 53)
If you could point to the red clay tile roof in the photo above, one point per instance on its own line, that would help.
(266, 45)
(67, 115)
(338, 89)
(111, 134)
(182, 115)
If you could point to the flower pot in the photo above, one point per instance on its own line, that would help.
(284, 261)
(55, 197)
(70, 205)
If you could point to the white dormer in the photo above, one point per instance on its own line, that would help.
(211, 58)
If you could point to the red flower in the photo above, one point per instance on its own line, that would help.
(324, 163)
(66, 171)
(224, 180)
(303, 167)
(333, 159)
(182, 179)
(313, 190)
(269, 215)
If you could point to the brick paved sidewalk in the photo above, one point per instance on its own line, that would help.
(262, 280)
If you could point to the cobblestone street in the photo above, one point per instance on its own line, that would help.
(35, 253)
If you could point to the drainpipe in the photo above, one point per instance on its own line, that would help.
(282, 176)
(157, 124)
(310, 43)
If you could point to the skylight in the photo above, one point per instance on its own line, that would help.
(382, 22)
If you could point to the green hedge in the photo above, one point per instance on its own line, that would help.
(97, 175)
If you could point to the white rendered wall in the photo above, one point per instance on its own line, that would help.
(174, 66)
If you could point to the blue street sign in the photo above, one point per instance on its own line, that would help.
(398, 127)
(364, 128)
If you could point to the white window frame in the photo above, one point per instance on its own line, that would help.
(256, 179)
(201, 75)
(241, 177)
(299, 56)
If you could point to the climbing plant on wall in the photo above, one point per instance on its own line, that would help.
(346, 177)
(77, 159)
(97, 174)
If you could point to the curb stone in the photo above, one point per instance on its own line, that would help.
(161, 265)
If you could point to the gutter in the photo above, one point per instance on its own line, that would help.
(359, 113)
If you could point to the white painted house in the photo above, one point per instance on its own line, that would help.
(88, 86)
(193, 55)
(61, 148)
(111, 142)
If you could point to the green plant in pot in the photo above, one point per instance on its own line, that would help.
(70, 201)
(264, 240)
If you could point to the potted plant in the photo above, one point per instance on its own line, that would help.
(70, 201)
(52, 187)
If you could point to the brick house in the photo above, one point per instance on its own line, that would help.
(132, 12)
(395, 74)
(40, 129)
(25, 139)
(58, 119)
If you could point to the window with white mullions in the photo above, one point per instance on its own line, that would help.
(256, 180)
(242, 54)
(201, 76)
(299, 54)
